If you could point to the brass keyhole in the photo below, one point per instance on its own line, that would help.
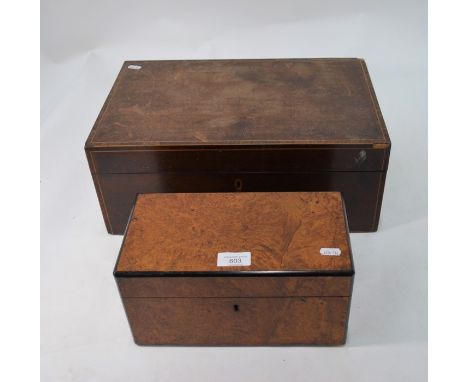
(238, 184)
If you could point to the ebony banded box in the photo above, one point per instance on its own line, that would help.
(240, 125)
(237, 269)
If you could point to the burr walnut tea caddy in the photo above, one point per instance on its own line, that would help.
(237, 269)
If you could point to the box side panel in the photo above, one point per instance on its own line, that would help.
(362, 191)
(100, 195)
(349, 304)
(226, 286)
(379, 199)
(238, 321)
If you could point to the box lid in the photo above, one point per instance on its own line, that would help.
(294, 233)
(215, 103)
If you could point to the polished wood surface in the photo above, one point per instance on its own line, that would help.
(222, 285)
(175, 294)
(301, 160)
(283, 232)
(239, 321)
(238, 125)
(362, 191)
(246, 102)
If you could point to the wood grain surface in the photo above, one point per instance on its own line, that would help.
(283, 232)
(275, 101)
(241, 285)
(174, 292)
(240, 125)
(362, 191)
(238, 321)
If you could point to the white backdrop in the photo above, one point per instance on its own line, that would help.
(84, 332)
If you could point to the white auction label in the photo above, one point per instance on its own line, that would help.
(330, 251)
(234, 259)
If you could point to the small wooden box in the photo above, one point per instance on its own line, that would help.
(292, 287)
(240, 125)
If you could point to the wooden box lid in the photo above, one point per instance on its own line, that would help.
(241, 102)
(182, 234)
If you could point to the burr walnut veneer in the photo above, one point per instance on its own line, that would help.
(240, 125)
(295, 290)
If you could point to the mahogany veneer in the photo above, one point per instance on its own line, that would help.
(240, 125)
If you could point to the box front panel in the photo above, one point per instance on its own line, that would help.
(362, 191)
(115, 161)
(234, 286)
(238, 321)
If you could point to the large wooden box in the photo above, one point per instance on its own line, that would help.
(237, 269)
(240, 125)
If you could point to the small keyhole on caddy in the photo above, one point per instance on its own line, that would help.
(236, 307)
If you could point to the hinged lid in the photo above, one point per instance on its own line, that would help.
(294, 234)
(213, 103)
